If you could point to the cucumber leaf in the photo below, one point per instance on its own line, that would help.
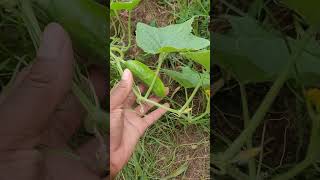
(254, 54)
(172, 38)
(201, 57)
(189, 78)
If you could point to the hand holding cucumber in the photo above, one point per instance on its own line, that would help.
(128, 122)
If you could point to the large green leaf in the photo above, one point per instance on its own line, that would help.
(254, 54)
(309, 9)
(189, 78)
(201, 57)
(173, 38)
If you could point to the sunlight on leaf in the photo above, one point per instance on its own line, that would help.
(201, 57)
(173, 38)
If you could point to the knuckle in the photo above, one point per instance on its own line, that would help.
(123, 85)
(40, 76)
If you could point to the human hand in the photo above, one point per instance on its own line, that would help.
(40, 109)
(127, 123)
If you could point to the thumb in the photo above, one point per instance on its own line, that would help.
(122, 90)
(29, 105)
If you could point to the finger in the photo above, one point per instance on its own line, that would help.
(145, 107)
(69, 114)
(122, 90)
(30, 105)
(132, 97)
(116, 128)
(64, 122)
(154, 116)
(17, 81)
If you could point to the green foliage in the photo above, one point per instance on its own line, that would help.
(124, 5)
(173, 38)
(254, 54)
(85, 21)
(201, 57)
(163, 43)
(263, 50)
(189, 78)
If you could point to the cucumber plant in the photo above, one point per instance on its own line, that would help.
(163, 41)
(276, 58)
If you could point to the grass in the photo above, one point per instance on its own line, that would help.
(14, 37)
(173, 147)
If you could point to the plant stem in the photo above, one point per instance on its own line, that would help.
(246, 117)
(162, 57)
(261, 151)
(122, 27)
(236, 173)
(118, 60)
(190, 98)
(129, 32)
(157, 104)
(30, 21)
(118, 51)
(294, 171)
(258, 116)
(236, 146)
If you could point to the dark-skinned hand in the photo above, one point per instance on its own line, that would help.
(39, 109)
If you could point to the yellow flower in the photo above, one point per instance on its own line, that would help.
(313, 96)
(207, 91)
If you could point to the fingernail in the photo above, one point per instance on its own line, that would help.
(126, 74)
(52, 41)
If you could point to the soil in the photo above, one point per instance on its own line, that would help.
(197, 156)
(193, 147)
